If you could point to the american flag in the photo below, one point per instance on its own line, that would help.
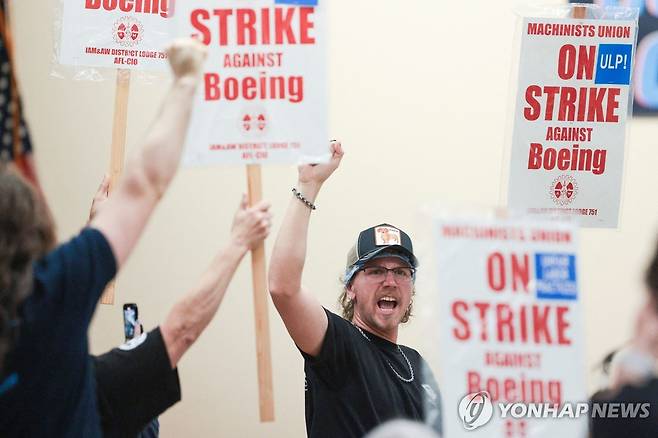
(15, 145)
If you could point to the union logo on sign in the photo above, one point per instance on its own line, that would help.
(253, 122)
(563, 190)
(262, 122)
(128, 31)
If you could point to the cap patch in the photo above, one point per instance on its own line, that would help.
(387, 236)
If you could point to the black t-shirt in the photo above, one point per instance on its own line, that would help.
(54, 394)
(352, 385)
(135, 384)
(628, 427)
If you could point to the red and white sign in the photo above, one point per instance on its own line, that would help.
(510, 323)
(570, 118)
(263, 95)
(127, 34)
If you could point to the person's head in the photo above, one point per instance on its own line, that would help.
(402, 429)
(378, 284)
(26, 234)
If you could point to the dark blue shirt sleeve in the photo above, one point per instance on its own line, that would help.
(151, 431)
(75, 274)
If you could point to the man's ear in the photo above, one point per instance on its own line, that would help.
(349, 290)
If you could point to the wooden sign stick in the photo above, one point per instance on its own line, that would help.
(263, 354)
(118, 150)
(579, 12)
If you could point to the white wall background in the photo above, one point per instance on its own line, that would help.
(419, 92)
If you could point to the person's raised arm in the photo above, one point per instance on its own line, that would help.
(190, 316)
(301, 312)
(100, 198)
(149, 172)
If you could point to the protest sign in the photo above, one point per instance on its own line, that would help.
(511, 325)
(126, 34)
(263, 98)
(570, 117)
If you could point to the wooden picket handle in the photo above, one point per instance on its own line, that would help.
(579, 12)
(263, 354)
(118, 150)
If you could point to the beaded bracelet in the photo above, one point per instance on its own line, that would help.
(301, 197)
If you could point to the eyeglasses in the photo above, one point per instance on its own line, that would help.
(377, 274)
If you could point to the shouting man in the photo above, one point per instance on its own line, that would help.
(357, 376)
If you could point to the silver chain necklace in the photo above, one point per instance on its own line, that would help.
(410, 379)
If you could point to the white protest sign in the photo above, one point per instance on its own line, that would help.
(570, 118)
(125, 34)
(511, 325)
(263, 97)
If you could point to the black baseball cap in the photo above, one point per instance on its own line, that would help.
(379, 240)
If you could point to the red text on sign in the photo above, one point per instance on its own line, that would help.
(568, 133)
(591, 104)
(527, 324)
(575, 159)
(250, 88)
(502, 359)
(579, 62)
(253, 27)
(137, 6)
(500, 268)
(517, 389)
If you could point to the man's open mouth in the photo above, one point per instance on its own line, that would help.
(387, 303)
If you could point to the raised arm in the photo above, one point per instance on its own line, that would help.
(149, 172)
(301, 312)
(190, 316)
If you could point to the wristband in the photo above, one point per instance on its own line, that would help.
(301, 197)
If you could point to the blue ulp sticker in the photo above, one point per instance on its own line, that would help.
(297, 2)
(613, 64)
(556, 276)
